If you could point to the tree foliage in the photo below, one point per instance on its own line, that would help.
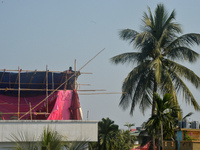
(106, 130)
(163, 116)
(156, 62)
(49, 140)
(111, 138)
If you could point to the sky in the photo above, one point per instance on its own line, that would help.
(36, 33)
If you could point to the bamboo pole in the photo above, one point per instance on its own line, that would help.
(9, 70)
(37, 113)
(62, 84)
(18, 92)
(47, 87)
(99, 93)
(30, 110)
(22, 89)
(52, 84)
(30, 82)
(85, 84)
(75, 76)
(2, 77)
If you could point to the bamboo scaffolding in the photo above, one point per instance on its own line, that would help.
(85, 84)
(30, 110)
(37, 113)
(4, 70)
(75, 73)
(18, 93)
(2, 77)
(52, 85)
(30, 82)
(47, 87)
(22, 83)
(62, 84)
(22, 89)
(100, 93)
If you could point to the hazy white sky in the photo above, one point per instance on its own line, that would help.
(37, 33)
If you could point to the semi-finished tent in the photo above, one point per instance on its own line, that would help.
(38, 95)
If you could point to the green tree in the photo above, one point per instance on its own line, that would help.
(106, 131)
(129, 125)
(51, 140)
(162, 117)
(159, 48)
(24, 142)
(76, 145)
(122, 140)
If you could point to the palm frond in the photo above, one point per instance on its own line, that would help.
(142, 93)
(188, 115)
(128, 34)
(24, 141)
(134, 84)
(185, 40)
(183, 71)
(187, 94)
(182, 54)
(167, 85)
(126, 58)
(76, 145)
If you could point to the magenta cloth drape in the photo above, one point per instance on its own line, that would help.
(62, 105)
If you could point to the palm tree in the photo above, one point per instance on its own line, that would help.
(51, 140)
(76, 145)
(24, 141)
(122, 140)
(129, 125)
(106, 131)
(159, 47)
(162, 116)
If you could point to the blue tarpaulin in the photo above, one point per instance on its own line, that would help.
(9, 82)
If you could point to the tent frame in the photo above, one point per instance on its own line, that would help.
(45, 81)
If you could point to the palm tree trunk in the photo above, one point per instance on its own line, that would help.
(161, 134)
(153, 111)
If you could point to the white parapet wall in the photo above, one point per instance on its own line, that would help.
(73, 130)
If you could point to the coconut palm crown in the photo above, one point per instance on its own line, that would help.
(157, 71)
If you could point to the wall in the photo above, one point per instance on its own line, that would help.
(72, 129)
(190, 145)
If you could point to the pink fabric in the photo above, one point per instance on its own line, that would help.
(62, 105)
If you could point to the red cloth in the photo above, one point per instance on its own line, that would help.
(62, 105)
(9, 104)
(75, 105)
